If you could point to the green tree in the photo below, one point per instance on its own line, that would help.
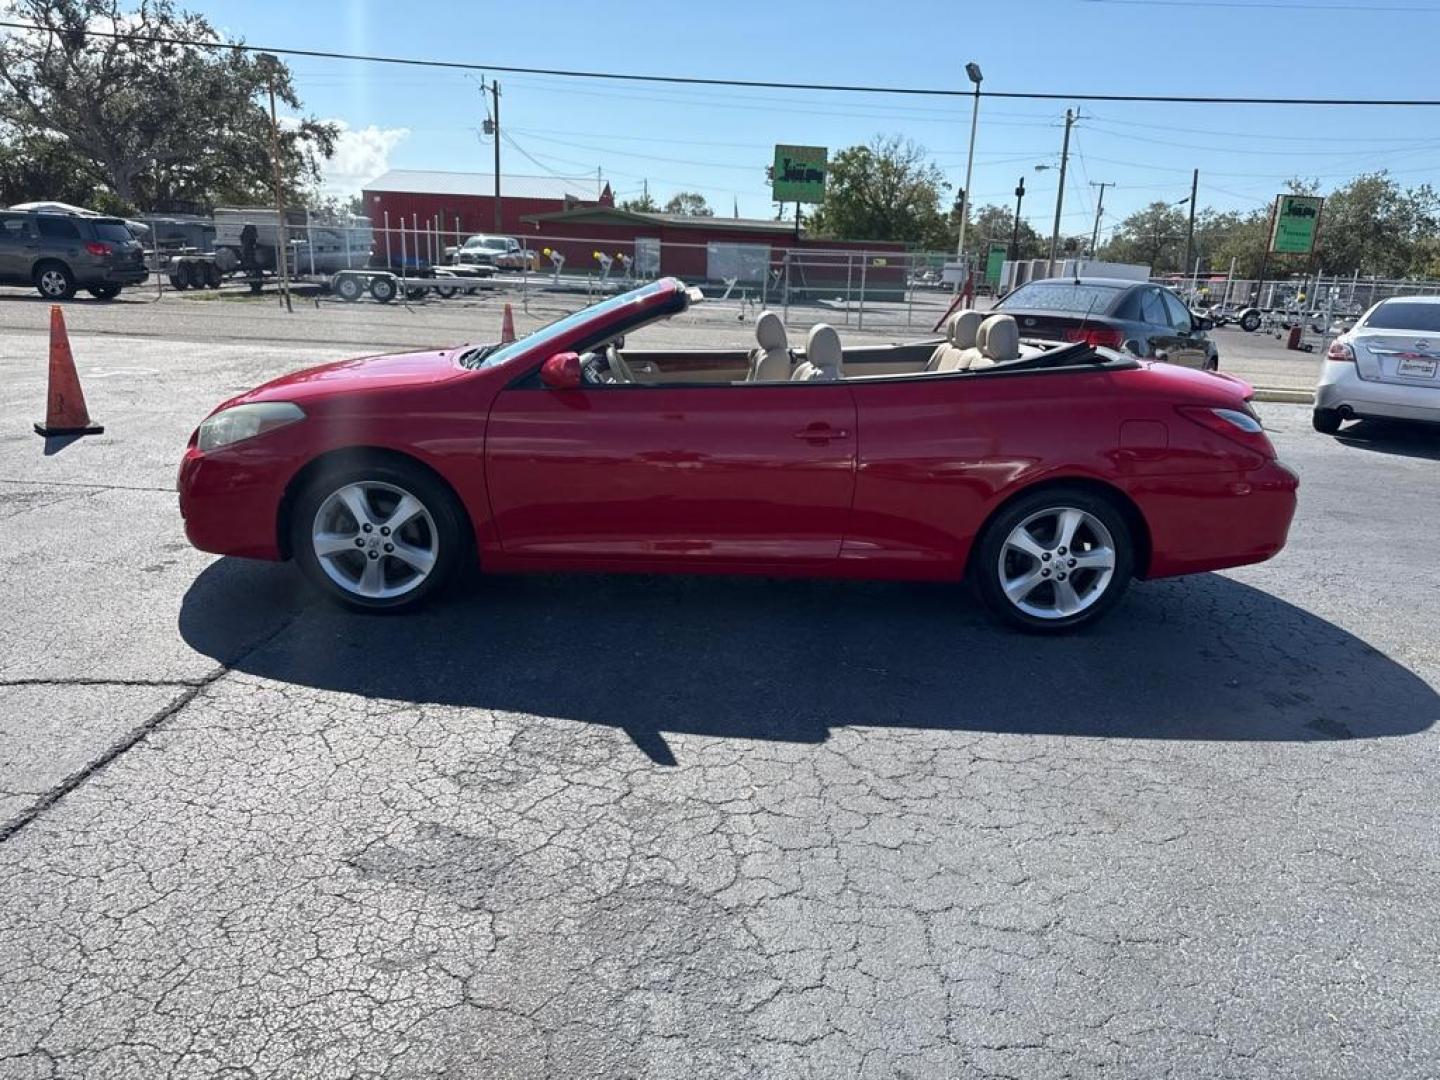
(1153, 237)
(886, 190)
(645, 204)
(995, 224)
(153, 124)
(689, 203)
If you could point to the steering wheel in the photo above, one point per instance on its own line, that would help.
(618, 367)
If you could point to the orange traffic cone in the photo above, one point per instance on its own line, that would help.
(507, 326)
(65, 412)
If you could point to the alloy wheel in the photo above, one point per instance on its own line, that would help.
(375, 540)
(1057, 563)
(53, 283)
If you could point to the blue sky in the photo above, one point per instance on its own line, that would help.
(718, 140)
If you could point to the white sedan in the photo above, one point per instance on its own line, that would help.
(1386, 366)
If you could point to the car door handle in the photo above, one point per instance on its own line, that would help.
(821, 432)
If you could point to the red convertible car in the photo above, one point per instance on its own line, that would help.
(1047, 473)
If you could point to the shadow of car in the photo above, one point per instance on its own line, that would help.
(1204, 658)
(1397, 437)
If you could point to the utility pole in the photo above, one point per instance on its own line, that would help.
(282, 234)
(495, 114)
(1190, 235)
(1015, 229)
(1070, 118)
(1099, 210)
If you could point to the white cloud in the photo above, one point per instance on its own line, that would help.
(361, 154)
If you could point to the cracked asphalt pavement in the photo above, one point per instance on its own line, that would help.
(682, 827)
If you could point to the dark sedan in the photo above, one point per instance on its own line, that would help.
(1137, 317)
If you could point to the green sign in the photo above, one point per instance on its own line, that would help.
(995, 262)
(799, 174)
(1297, 224)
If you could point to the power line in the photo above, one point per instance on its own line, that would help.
(690, 80)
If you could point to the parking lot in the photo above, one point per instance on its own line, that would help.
(636, 827)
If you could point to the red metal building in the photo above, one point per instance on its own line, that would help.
(464, 203)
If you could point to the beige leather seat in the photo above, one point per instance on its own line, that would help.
(823, 356)
(770, 360)
(998, 341)
(960, 331)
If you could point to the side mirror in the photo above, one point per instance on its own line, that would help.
(561, 371)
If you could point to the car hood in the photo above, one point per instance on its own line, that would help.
(363, 375)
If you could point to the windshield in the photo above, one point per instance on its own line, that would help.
(1400, 315)
(493, 356)
(489, 243)
(1061, 296)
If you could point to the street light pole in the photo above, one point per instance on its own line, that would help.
(1190, 233)
(1099, 210)
(972, 70)
(1060, 195)
(1015, 229)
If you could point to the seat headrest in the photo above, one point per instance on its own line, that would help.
(822, 346)
(770, 331)
(1002, 338)
(981, 333)
(963, 327)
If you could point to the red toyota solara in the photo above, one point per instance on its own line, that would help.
(1048, 473)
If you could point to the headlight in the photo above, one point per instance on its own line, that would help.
(246, 421)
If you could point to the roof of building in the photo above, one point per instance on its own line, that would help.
(428, 182)
(688, 221)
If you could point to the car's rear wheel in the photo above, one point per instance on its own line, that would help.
(54, 281)
(1053, 561)
(1326, 421)
(378, 536)
(104, 292)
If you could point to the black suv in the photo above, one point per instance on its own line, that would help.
(58, 253)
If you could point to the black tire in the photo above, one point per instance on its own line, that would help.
(1213, 364)
(383, 289)
(1250, 321)
(104, 292)
(54, 281)
(349, 288)
(1326, 421)
(985, 561)
(178, 282)
(451, 534)
(414, 294)
(189, 279)
(213, 276)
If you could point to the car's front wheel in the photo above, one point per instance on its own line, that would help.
(379, 536)
(1053, 561)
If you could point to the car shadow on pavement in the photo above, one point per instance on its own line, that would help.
(1199, 658)
(1393, 437)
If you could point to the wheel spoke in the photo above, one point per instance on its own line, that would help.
(1067, 601)
(419, 559)
(330, 544)
(372, 579)
(1017, 589)
(406, 509)
(1021, 540)
(359, 506)
(1098, 558)
(1065, 528)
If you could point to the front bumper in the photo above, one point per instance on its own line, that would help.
(230, 501)
(1342, 389)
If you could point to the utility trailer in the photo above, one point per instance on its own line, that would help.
(385, 285)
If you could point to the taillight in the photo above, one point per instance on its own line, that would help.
(1238, 425)
(1097, 337)
(97, 249)
(1340, 351)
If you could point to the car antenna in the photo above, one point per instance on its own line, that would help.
(1086, 318)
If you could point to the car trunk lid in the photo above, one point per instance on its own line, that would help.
(1057, 326)
(1405, 357)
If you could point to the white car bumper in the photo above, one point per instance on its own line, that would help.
(1342, 389)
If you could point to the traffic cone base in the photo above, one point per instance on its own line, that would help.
(65, 412)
